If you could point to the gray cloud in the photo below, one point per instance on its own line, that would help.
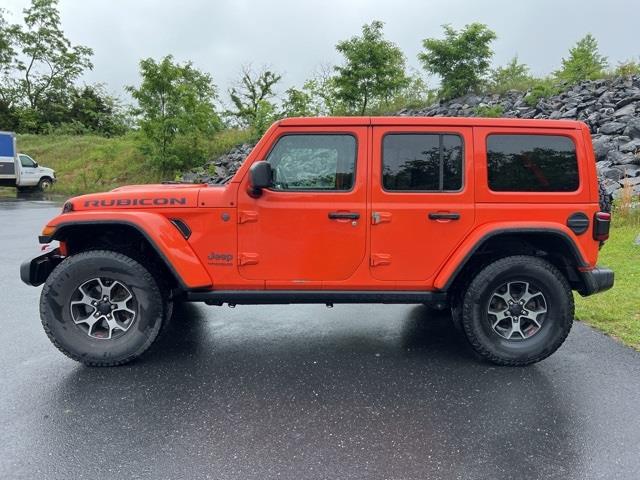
(294, 37)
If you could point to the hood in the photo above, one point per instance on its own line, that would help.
(140, 197)
(46, 171)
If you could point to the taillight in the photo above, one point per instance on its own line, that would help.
(601, 223)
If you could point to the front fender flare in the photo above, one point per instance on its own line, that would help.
(164, 238)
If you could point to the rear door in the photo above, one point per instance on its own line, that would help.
(422, 198)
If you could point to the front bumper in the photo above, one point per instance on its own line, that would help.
(35, 271)
(597, 280)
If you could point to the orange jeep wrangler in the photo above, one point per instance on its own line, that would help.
(498, 219)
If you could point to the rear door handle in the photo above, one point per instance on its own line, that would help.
(444, 216)
(344, 216)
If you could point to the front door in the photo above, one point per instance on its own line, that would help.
(422, 199)
(28, 175)
(311, 225)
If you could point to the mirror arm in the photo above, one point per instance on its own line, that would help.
(254, 192)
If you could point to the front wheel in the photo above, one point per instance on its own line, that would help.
(101, 308)
(45, 184)
(517, 311)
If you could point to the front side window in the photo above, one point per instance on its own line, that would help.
(27, 162)
(532, 163)
(314, 162)
(422, 162)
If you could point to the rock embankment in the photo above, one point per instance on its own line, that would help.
(221, 169)
(610, 107)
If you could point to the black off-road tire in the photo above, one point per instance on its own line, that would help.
(517, 352)
(73, 341)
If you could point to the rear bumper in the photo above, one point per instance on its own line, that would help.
(597, 280)
(35, 271)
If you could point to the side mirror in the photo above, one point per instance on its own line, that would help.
(35, 164)
(260, 176)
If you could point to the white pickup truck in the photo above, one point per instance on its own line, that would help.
(20, 170)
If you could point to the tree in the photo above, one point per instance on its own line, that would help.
(176, 106)
(373, 70)
(252, 98)
(38, 68)
(513, 76)
(97, 111)
(461, 59)
(584, 62)
(298, 103)
(48, 61)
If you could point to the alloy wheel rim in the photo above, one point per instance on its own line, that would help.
(103, 308)
(517, 310)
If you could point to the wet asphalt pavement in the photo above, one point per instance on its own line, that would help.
(304, 392)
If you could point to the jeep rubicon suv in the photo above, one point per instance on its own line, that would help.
(498, 219)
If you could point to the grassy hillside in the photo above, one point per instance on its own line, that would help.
(88, 163)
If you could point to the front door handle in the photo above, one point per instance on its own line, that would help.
(344, 216)
(444, 216)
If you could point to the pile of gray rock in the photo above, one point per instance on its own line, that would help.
(610, 107)
(221, 169)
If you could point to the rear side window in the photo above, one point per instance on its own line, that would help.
(314, 162)
(532, 163)
(422, 162)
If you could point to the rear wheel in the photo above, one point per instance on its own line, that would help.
(517, 311)
(102, 308)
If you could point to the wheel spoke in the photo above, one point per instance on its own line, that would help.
(515, 328)
(500, 316)
(527, 296)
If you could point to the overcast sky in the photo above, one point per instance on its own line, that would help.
(295, 36)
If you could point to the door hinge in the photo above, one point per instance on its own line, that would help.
(380, 217)
(246, 216)
(248, 259)
(378, 259)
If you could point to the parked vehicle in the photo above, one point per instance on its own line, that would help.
(498, 219)
(20, 170)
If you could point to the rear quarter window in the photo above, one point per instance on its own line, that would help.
(532, 163)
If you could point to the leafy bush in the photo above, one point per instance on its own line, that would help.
(626, 69)
(495, 111)
(542, 88)
(461, 59)
(373, 71)
(583, 63)
(513, 76)
(176, 114)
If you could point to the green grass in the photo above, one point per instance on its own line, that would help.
(617, 311)
(90, 163)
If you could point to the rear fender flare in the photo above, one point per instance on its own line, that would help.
(448, 273)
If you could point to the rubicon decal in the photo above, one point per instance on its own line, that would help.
(140, 202)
